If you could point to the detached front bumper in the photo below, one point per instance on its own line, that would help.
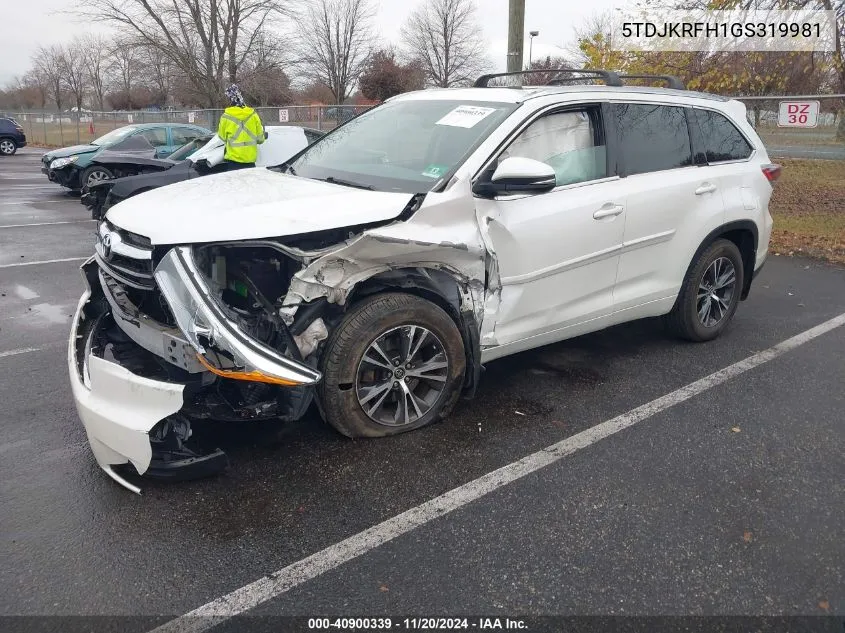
(117, 407)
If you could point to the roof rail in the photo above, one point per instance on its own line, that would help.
(671, 81)
(610, 78)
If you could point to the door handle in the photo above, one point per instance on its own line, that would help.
(608, 210)
(705, 187)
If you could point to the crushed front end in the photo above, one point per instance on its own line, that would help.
(163, 339)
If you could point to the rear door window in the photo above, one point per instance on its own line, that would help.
(652, 137)
(182, 135)
(721, 140)
(156, 136)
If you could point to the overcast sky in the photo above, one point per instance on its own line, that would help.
(39, 22)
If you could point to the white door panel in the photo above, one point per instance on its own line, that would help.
(667, 215)
(556, 261)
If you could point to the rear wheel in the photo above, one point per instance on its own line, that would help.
(710, 293)
(8, 147)
(394, 364)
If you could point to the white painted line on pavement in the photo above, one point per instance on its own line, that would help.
(23, 350)
(27, 350)
(277, 583)
(45, 261)
(18, 226)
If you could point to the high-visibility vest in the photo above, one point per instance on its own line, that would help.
(241, 130)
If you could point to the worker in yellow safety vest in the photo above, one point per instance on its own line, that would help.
(240, 128)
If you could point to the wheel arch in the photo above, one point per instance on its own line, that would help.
(745, 235)
(440, 288)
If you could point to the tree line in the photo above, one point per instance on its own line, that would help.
(182, 54)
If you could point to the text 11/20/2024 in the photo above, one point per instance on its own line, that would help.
(418, 624)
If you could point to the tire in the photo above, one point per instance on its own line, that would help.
(394, 321)
(690, 317)
(8, 146)
(91, 171)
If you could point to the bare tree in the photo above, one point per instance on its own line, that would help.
(125, 67)
(96, 50)
(444, 36)
(334, 43)
(48, 65)
(73, 65)
(158, 70)
(207, 40)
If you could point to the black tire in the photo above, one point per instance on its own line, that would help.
(83, 179)
(685, 320)
(8, 146)
(364, 324)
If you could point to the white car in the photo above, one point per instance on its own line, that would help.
(378, 270)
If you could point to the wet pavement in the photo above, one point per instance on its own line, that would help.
(680, 514)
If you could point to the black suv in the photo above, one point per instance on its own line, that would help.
(11, 136)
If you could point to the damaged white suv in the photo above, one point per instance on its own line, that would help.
(378, 269)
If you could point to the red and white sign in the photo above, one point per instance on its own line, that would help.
(284, 117)
(798, 114)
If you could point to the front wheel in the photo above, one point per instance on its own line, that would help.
(93, 175)
(710, 293)
(395, 363)
(8, 147)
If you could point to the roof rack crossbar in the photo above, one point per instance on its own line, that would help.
(671, 81)
(610, 78)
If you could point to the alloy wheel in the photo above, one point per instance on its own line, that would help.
(95, 177)
(7, 147)
(715, 291)
(402, 375)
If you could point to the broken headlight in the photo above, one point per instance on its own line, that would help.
(221, 345)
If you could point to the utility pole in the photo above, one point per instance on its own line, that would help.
(516, 34)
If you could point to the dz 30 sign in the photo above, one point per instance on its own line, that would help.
(798, 114)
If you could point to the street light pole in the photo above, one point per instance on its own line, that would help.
(533, 34)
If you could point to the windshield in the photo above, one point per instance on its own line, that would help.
(406, 146)
(115, 135)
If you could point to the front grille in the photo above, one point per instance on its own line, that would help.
(125, 256)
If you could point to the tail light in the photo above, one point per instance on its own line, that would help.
(771, 172)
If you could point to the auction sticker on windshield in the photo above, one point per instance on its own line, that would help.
(465, 116)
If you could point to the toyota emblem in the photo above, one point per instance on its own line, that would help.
(107, 245)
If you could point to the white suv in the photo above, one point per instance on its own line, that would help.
(375, 271)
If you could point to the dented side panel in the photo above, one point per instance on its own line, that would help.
(441, 235)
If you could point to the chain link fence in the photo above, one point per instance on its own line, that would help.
(52, 129)
(825, 140)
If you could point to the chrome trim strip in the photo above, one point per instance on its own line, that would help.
(115, 272)
(119, 247)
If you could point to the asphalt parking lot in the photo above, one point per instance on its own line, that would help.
(723, 499)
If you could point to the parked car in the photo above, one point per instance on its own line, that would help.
(12, 136)
(201, 157)
(378, 269)
(71, 167)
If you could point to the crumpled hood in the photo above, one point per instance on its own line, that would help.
(70, 151)
(250, 204)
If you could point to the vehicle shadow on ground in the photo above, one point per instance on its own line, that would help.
(510, 405)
